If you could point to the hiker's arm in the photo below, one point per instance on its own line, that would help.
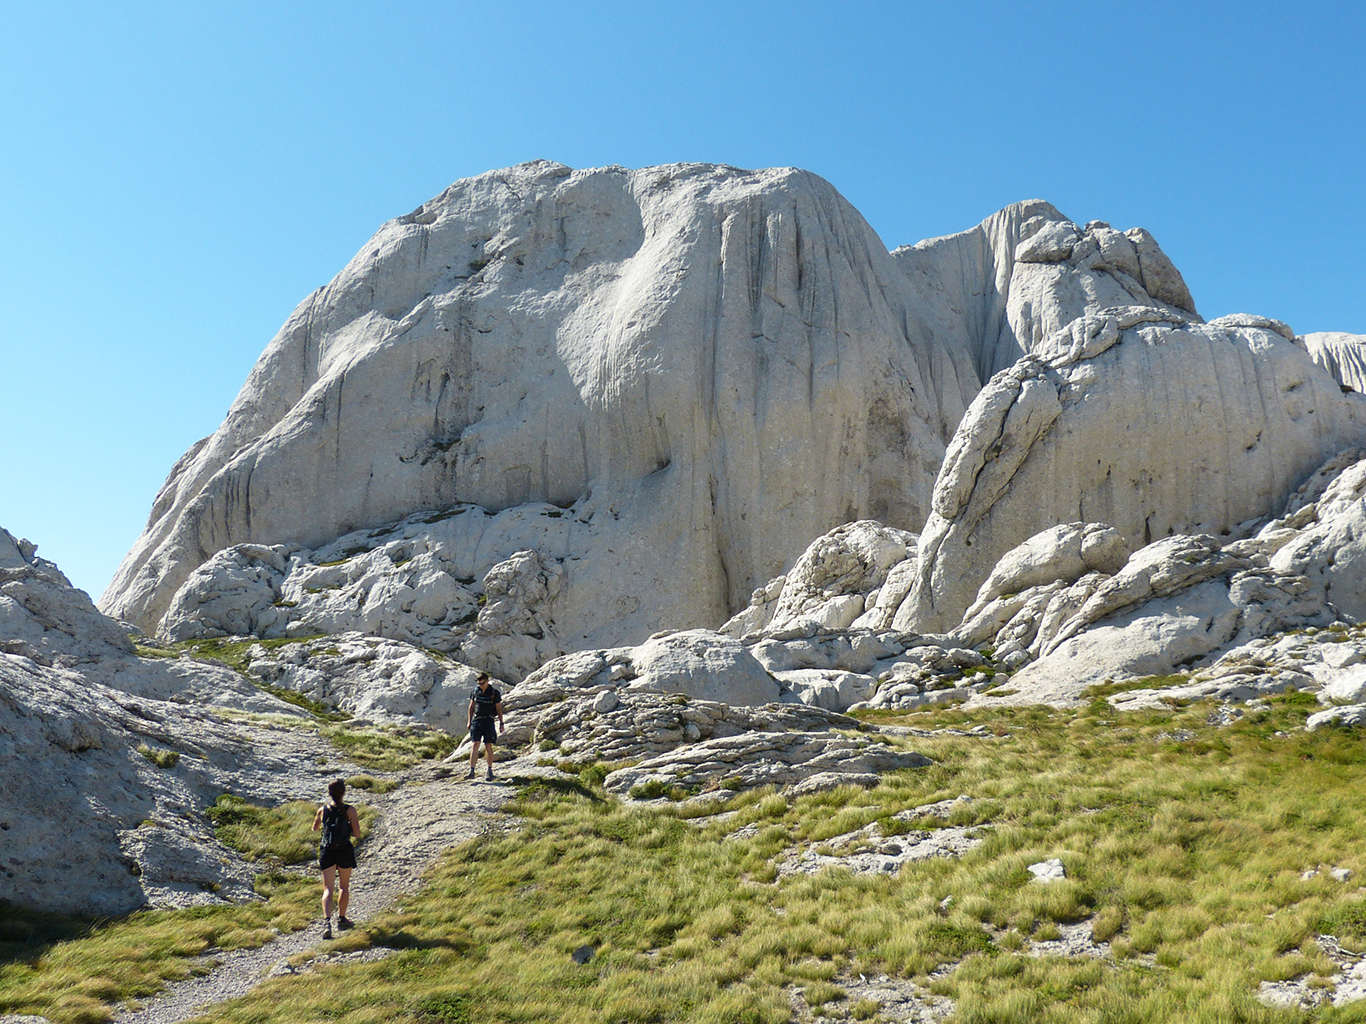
(355, 822)
(469, 715)
(501, 726)
(318, 820)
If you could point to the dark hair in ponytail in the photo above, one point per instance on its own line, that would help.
(337, 791)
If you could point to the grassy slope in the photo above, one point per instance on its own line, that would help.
(1185, 853)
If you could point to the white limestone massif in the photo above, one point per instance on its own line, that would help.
(707, 367)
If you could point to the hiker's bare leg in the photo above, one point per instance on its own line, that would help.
(329, 881)
(344, 874)
(488, 751)
(474, 755)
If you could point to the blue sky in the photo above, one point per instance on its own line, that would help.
(175, 177)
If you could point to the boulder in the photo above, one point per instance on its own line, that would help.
(1152, 639)
(1348, 687)
(832, 690)
(703, 664)
(1062, 553)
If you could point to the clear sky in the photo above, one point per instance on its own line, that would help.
(175, 177)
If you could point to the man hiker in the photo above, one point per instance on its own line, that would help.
(486, 704)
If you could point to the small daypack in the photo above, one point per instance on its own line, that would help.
(336, 829)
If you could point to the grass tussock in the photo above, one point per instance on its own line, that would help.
(1184, 847)
(159, 756)
(389, 748)
(75, 970)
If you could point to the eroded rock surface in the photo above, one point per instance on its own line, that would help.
(1342, 355)
(753, 759)
(1124, 418)
(712, 366)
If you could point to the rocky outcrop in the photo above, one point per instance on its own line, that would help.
(836, 579)
(1002, 288)
(370, 678)
(111, 758)
(755, 759)
(434, 580)
(43, 617)
(1186, 600)
(709, 366)
(1325, 541)
(1342, 355)
(1139, 419)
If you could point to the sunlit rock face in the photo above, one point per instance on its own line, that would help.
(708, 366)
(1136, 417)
(702, 367)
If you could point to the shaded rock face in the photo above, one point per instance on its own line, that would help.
(1342, 355)
(91, 824)
(710, 365)
(1130, 418)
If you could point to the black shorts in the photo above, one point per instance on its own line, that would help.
(337, 856)
(483, 729)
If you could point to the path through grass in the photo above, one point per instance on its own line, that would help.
(1183, 843)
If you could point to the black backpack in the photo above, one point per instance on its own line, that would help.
(336, 827)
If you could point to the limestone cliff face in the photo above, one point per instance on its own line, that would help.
(710, 365)
(1139, 418)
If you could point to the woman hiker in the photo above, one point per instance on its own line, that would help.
(338, 823)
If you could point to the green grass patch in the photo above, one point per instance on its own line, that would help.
(389, 748)
(370, 784)
(75, 970)
(1102, 690)
(159, 756)
(1187, 857)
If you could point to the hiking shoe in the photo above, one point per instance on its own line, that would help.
(471, 774)
(327, 930)
(489, 776)
(344, 924)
